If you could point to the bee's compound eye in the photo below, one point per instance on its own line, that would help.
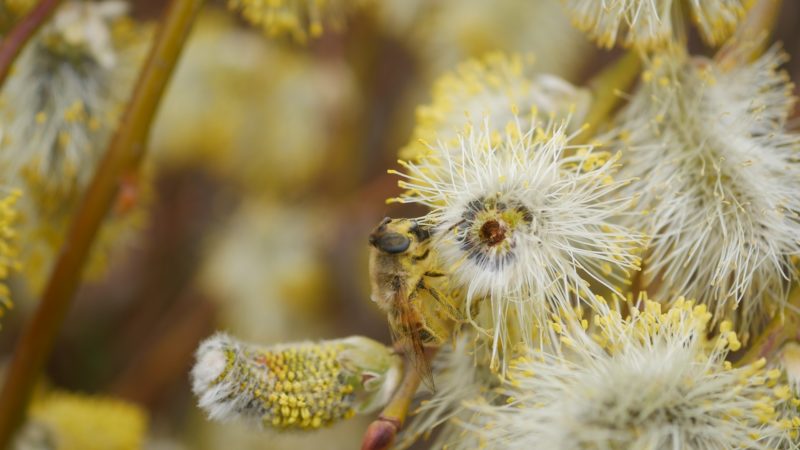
(392, 242)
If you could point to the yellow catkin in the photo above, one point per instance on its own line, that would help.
(8, 246)
(650, 24)
(83, 422)
(298, 386)
(503, 87)
(58, 112)
(297, 19)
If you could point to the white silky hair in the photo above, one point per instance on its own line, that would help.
(719, 179)
(564, 238)
(460, 377)
(216, 391)
(651, 23)
(658, 383)
(60, 110)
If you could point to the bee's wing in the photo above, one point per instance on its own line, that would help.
(405, 326)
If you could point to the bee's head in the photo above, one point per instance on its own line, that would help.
(395, 236)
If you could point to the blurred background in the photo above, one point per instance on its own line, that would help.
(269, 164)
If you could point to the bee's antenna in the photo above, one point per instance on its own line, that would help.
(436, 237)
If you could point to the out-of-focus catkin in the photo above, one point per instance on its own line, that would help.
(302, 385)
(66, 421)
(59, 108)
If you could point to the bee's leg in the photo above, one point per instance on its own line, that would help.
(421, 257)
(451, 311)
(434, 274)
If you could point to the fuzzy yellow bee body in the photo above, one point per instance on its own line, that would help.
(402, 273)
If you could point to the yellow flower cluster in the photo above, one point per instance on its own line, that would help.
(67, 421)
(655, 379)
(495, 86)
(685, 318)
(58, 111)
(79, 102)
(8, 246)
(652, 23)
(689, 321)
(298, 19)
(305, 385)
(302, 387)
(718, 19)
(696, 174)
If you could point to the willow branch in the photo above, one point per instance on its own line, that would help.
(381, 432)
(123, 155)
(606, 88)
(15, 41)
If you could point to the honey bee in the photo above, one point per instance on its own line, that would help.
(401, 265)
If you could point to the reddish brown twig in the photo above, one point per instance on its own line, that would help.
(381, 432)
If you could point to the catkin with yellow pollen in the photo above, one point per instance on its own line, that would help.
(521, 225)
(504, 88)
(302, 385)
(8, 246)
(654, 23)
(66, 421)
(653, 380)
(58, 111)
(713, 159)
(298, 19)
